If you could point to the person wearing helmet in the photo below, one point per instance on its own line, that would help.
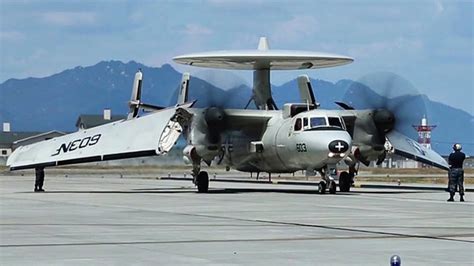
(395, 260)
(456, 173)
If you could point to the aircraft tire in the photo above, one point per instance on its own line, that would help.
(344, 182)
(332, 187)
(322, 187)
(202, 182)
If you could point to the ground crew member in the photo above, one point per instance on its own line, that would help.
(456, 173)
(39, 171)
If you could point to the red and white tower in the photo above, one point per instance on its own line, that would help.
(424, 132)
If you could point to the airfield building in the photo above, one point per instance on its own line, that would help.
(88, 121)
(10, 140)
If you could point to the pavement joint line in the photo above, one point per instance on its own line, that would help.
(334, 228)
(193, 241)
(230, 225)
(144, 225)
(371, 231)
(387, 236)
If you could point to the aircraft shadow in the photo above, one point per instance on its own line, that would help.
(187, 190)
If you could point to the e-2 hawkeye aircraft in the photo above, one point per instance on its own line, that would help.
(300, 136)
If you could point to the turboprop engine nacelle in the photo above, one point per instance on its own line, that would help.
(205, 134)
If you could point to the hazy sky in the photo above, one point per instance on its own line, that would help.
(430, 42)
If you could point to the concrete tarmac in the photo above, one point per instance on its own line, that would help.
(113, 221)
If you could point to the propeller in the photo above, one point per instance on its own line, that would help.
(397, 104)
(214, 101)
(391, 102)
(209, 90)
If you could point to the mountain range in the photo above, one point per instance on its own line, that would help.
(55, 102)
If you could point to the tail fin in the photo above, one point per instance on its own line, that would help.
(134, 103)
(183, 90)
(306, 91)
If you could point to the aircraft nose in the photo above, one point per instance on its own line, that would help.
(323, 147)
(339, 145)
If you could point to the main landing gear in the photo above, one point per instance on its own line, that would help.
(200, 178)
(345, 182)
(346, 179)
(202, 182)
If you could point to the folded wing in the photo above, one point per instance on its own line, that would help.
(409, 148)
(153, 134)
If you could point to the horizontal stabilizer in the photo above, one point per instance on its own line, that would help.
(344, 106)
(150, 107)
(406, 147)
(117, 140)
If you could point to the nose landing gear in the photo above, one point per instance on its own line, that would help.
(331, 188)
(328, 173)
(322, 187)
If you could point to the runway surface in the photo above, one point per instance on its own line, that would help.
(109, 221)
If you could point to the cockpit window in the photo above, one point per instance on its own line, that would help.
(317, 121)
(325, 123)
(298, 124)
(335, 122)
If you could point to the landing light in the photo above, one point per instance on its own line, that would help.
(332, 154)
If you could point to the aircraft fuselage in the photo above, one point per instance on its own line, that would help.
(279, 146)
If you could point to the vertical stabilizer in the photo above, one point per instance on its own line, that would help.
(183, 90)
(306, 90)
(134, 103)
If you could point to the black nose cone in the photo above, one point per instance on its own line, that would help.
(338, 146)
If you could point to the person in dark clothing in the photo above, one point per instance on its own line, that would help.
(456, 173)
(39, 179)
